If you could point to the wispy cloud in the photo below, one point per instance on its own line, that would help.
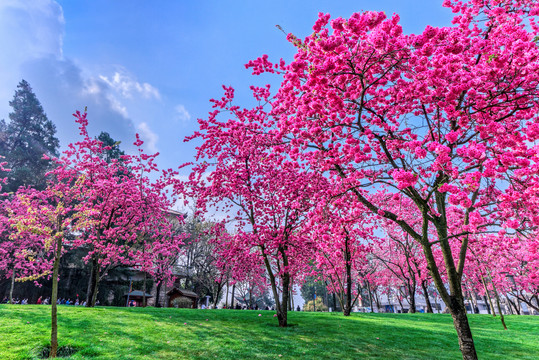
(148, 136)
(181, 113)
(128, 86)
(31, 39)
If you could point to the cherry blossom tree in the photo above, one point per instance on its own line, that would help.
(445, 118)
(23, 256)
(401, 256)
(110, 208)
(120, 204)
(45, 218)
(343, 236)
(238, 168)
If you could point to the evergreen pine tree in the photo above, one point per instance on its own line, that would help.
(25, 139)
(114, 152)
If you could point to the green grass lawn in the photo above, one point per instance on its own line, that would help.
(137, 333)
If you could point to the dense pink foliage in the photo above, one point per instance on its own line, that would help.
(238, 168)
(112, 209)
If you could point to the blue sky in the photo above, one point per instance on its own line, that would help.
(152, 66)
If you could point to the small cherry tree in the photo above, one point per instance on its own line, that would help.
(110, 208)
(343, 236)
(239, 167)
(120, 203)
(45, 218)
(22, 255)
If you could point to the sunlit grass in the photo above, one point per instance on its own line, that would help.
(137, 333)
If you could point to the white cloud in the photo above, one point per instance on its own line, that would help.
(181, 113)
(28, 30)
(117, 106)
(148, 136)
(127, 86)
(31, 39)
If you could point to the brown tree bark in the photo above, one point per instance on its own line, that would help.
(370, 295)
(92, 283)
(157, 294)
(281, 305)
(347, 308)
(226, 297)
(411, 290)
(426, 294)
(11, 287)
(498, 302)
(144, 291)
(488, 295)
(233, 295)
(54, 298)
(460, 321)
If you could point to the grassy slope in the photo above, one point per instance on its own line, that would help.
(136, 333)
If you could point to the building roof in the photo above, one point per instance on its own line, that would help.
(135, 293)
(182, 292)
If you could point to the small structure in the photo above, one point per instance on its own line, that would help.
(182, 298)
(136, 296)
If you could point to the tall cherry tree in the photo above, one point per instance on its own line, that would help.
(442, 118)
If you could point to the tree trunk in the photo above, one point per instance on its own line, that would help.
(370, 295)
(427, 299)
(474, 302)
(411, 290)
(347, 308)
(377, 299)
(226, 297)
(399, 300)
(94, 274)
(453, 298)
(54, 298)
(460, 321)
(217, 295)
(12, 286)
(436, 303)
(157, 292)
(498, 303)
(389, 298)
(283, 318)
(96, 285)
(487, 305)
(279, 306)
(488, 295)
(144, 291)
(289, 301)
(233, 294)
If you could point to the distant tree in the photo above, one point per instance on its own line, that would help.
(25, 139)
(313, 286)
(199, 261)
(310, 305)
(111, 147)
